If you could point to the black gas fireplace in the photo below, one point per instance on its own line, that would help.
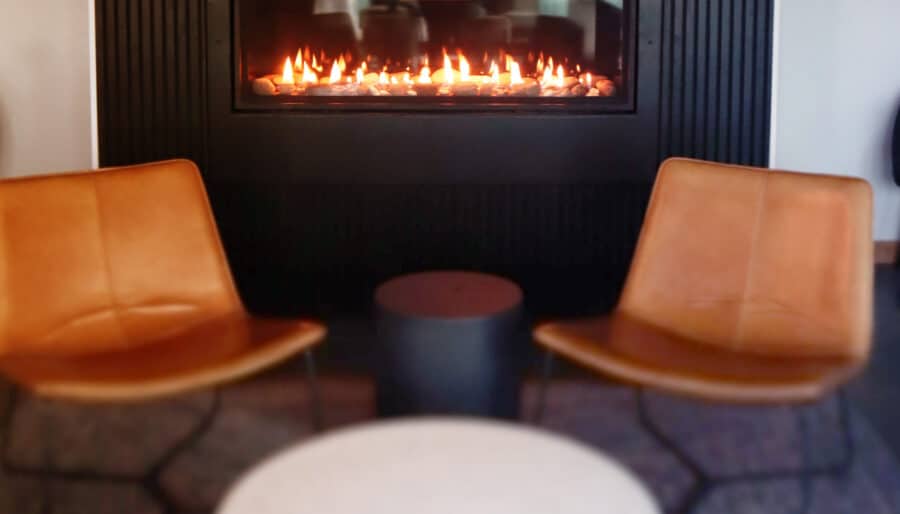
(433, 54)
(346, 141)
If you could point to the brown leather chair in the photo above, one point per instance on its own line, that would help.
(747, 285)
(114, 287)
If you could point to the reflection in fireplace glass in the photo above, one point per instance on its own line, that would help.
(293, 51)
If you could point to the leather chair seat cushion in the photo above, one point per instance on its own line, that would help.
(225, 348)
(634, 351)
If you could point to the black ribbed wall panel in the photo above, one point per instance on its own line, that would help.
(715, 76)
(151, 67)
(319, 248)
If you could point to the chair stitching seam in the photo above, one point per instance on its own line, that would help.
(751, 259)
(107, 267)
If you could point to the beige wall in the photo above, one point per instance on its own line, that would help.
(45, 86)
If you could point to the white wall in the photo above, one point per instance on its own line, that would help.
(46, 114)
(836, 92)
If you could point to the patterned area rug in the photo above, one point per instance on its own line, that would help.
(729, 441)
(150, 450)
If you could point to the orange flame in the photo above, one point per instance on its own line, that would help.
(309, 76)
(547, 76)
(448, 70)
(287, 73)
(464, 69)
(302, 70)
(335, 75)
(515, 75)
(425, 75)
(298, 61)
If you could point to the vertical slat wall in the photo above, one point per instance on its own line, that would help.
(714, 97)
(716, 71)
(151, 67)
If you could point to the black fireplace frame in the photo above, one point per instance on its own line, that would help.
(619, 103)
(564, 143)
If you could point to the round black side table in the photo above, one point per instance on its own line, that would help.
(451, 342)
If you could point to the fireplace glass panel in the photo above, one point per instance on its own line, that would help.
(408, 53)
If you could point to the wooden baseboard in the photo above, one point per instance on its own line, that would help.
(886, 252)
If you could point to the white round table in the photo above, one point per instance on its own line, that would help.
(439, 466)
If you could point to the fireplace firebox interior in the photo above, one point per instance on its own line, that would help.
(296, 53)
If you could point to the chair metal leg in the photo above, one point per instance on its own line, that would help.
(152, 480)
(318, 417)
(6, 428)
(704, 483)
(546, 375)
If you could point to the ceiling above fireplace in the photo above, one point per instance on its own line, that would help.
(434, 54)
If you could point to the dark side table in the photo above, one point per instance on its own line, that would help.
(451, 342)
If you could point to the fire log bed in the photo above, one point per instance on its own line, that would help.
(453, 78)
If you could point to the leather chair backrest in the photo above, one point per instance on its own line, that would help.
(766, 262)
(107, 260)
